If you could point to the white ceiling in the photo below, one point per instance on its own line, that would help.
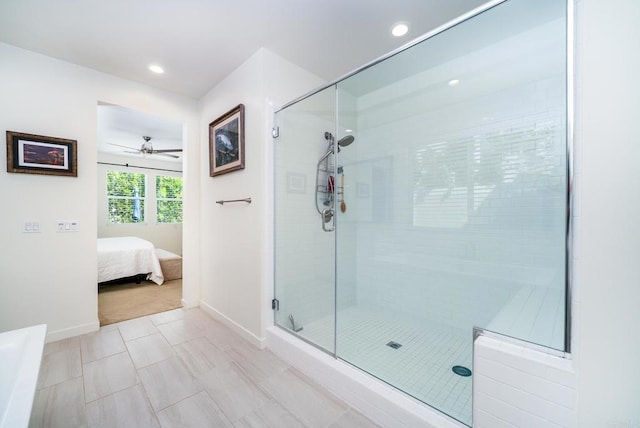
(200, 42)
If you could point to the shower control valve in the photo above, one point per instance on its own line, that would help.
(327, 216)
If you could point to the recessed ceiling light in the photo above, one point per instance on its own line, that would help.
(454, 82)
(156, 68)
(400, 29)
(348, 130)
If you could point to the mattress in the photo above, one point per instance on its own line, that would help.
(127, 256)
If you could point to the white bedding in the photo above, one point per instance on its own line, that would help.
(127, 256)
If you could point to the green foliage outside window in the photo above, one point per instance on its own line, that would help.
(122, 198)
(169, 199)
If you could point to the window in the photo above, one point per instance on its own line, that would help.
(125, 197)
(169, 199)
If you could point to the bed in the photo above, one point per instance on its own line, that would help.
(126, 257)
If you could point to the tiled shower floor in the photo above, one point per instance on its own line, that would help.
(421, 367)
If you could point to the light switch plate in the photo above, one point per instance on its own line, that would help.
(31, 227)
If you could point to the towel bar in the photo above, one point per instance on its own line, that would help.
(247, 200)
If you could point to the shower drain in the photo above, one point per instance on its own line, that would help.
(394, 345)
(461, 371)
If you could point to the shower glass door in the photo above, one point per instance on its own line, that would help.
(426, 195)
(304, 241)
(455, 194)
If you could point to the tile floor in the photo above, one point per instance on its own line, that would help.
(177, 369)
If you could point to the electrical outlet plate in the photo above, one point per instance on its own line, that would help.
(67, 226)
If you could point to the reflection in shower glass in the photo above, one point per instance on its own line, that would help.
(455, 196)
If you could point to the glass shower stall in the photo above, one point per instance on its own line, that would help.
(427, 194)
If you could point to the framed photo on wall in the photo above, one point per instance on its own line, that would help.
(38, 154)
(226, 142)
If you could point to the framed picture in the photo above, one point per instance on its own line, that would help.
(226, 142)
(37, 154)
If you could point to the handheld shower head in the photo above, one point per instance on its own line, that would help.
(342, 142)
(345, 141)
(324, 171)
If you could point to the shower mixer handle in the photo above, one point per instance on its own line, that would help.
(327, 216)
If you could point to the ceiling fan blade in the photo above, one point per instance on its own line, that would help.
(166, 154)
(167, 150)
(120, 145)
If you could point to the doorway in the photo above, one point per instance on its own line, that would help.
(139, 222)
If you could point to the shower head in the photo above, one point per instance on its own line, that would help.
(345, 141)
(342, 142)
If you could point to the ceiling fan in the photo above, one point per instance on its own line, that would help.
(147, 149)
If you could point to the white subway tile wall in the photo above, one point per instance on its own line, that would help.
(520, 387)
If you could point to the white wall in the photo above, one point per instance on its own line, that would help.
(607, 214)
(50, 277)
(167, 236)
(235, 236)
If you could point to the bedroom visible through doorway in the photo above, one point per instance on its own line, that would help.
(140, 214)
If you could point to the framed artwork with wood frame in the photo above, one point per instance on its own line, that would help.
(226, 142)
(38, 154)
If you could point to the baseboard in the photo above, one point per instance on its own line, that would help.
(237, 328)
(65, 333)
(187, 304)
